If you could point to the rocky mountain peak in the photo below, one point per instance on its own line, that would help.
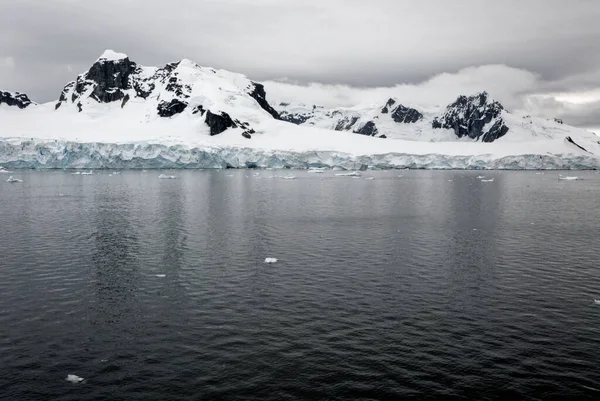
(15, 99)
(477, 117)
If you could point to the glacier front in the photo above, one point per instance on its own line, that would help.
(56, 154)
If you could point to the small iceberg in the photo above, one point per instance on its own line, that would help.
(490, 180)
(315, 171)
(91, 172)
(270, 260)
(74, 379)
(569, 178)
(116, 173)
(597, 301)
(2, 171)
(481, 177)
(369, 178)
(351, 174)
(12, 179)
(76, 173)
(161, 275)
(289, 177)
(166, 177)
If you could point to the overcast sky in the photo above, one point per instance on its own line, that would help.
(539, 55)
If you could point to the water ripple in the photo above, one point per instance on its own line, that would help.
(385, 289)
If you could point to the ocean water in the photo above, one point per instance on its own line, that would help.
(413, 284)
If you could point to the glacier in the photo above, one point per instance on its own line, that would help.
(56, 154)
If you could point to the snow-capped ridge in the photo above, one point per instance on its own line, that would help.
(111, 55)
(178, 88)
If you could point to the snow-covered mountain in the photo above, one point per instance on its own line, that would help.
(15, 99)
(122, 114)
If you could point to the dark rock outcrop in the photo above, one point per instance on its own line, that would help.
(368, 129)
(571, 141)
(387, 106)
(199, 109)
(15, 99)
(477, 117)
(346, 123)
(169, 109)
(406, 115)
(108, 80)
(258, 93)
(558, 120)
(218, 122)
(125, 100)
(297, 118)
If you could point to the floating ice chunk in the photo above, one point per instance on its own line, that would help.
(77, 173)
(166, 177)
(116, 173)
(481, 177)
(2, 171)
(144, 171)
(289, 177)
(369, 178)
(351, 174)
(490, 180)
(74, 379)
(569, 178)
(14, 180)
(316, 171)
(161, 275)
(270, 260)
(400, 176)
(91, 172)
(597, 301)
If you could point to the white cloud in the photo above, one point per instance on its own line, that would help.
(504, 83)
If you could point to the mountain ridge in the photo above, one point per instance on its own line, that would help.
(119, 101)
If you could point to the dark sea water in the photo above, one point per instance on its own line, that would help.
(430, 284)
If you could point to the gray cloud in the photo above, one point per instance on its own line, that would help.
(44, 44)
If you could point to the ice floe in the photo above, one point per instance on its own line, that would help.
(74, 379)
(270, 260)
(13, 180)
(351, 174)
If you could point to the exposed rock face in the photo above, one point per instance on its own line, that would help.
(368, 129)
(258, 93)
(477, 117)
(298, 117)
(16, 99)
(388, 105)
(111, 78)
(558, 120)
(571, 141)
(406, 115)
(106, 81)
(169, 109)
(346, 123)
(218, 122)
